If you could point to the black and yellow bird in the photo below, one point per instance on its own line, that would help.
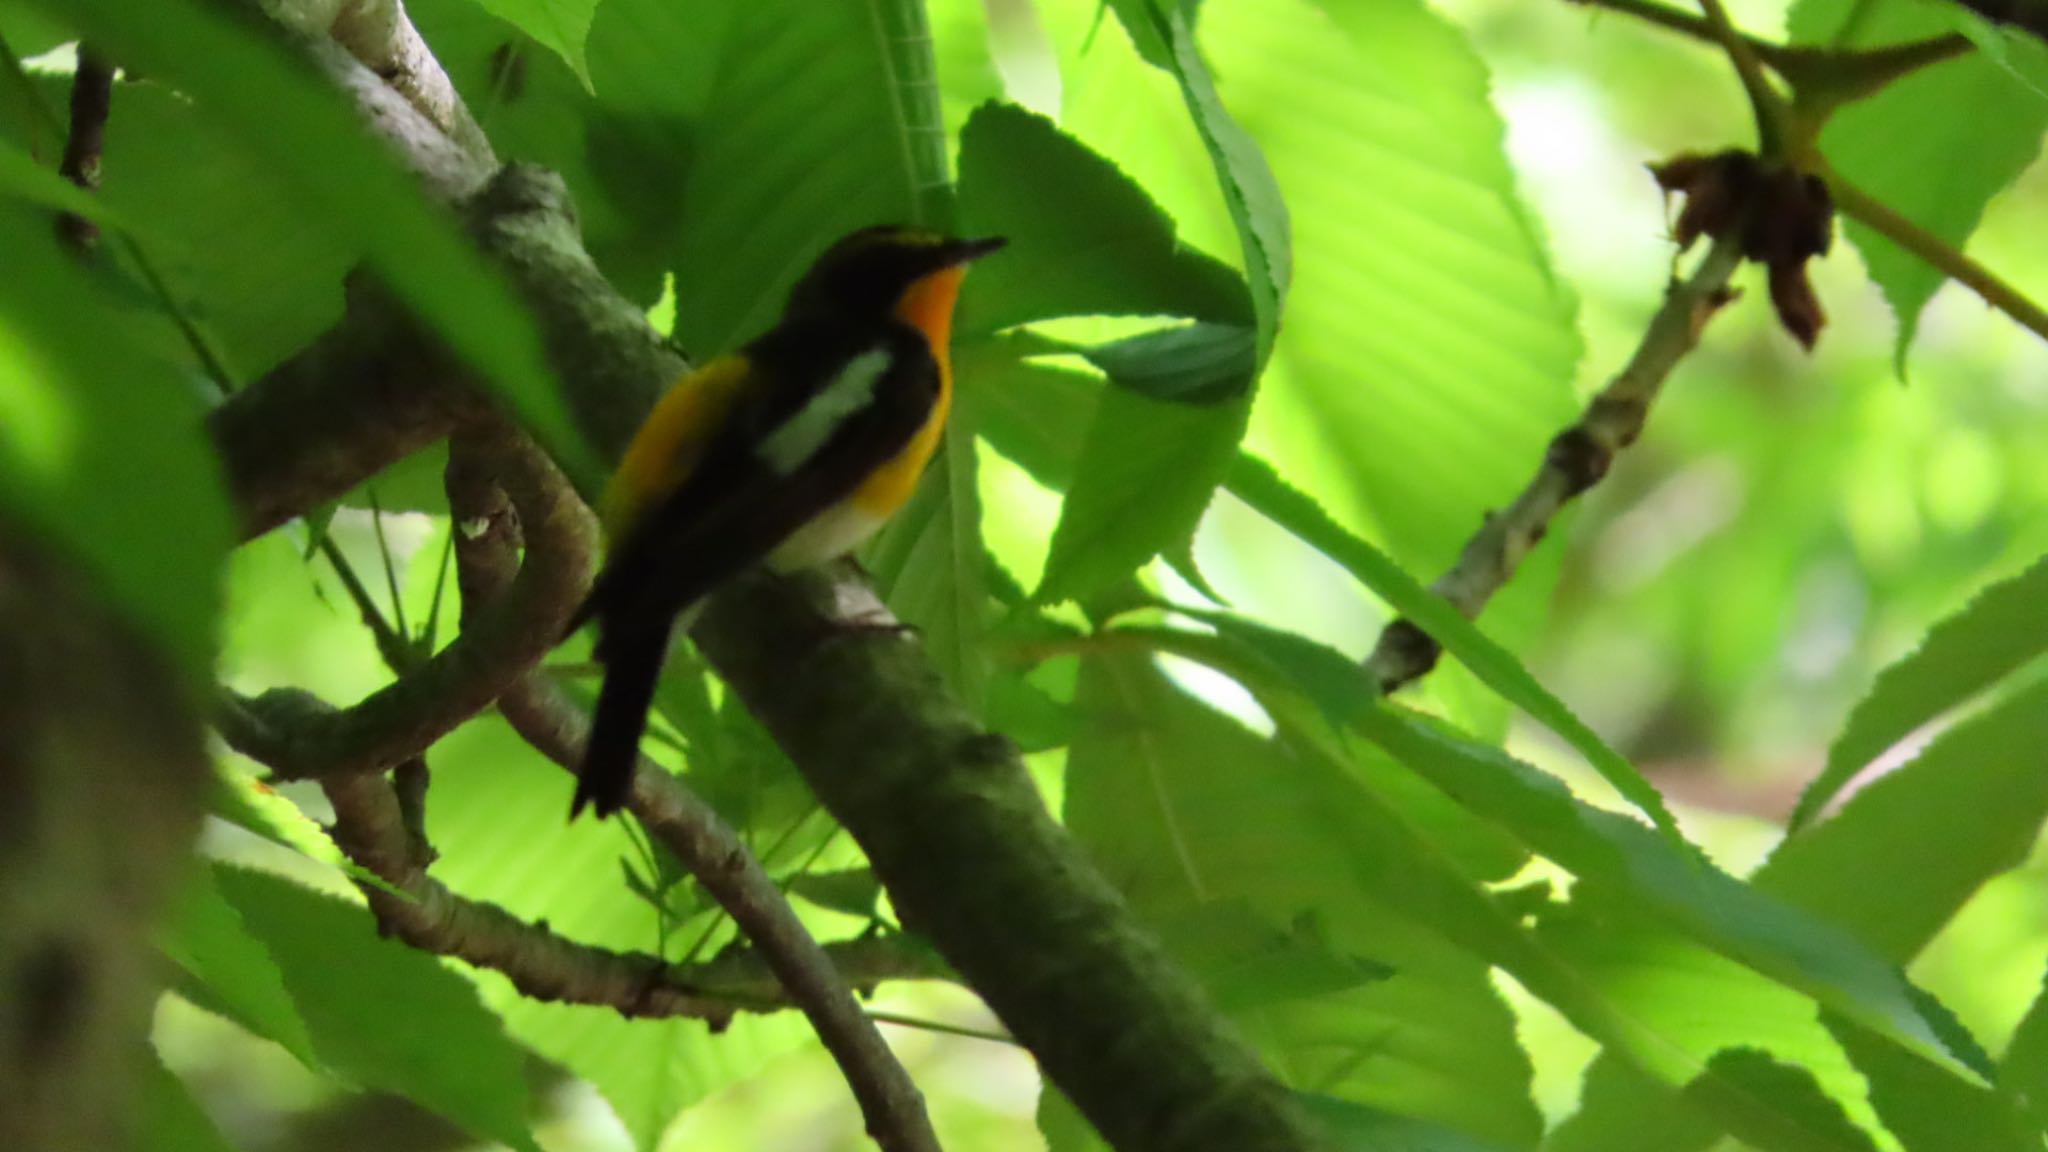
(789, 452)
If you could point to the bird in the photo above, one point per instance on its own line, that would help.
(786, 453)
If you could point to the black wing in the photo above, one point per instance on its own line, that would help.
(732, 511)
(734, 508)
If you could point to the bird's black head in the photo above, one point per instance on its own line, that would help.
(875, 272)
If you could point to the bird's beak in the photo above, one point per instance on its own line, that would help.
(968, 251)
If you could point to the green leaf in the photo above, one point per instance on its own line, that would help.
(1936, 145)
(1356, 1128)
(101, 443)
(22, 177)
(1890, 869)
(1890, 866)
(1430, 348)
(232, 241)
(1147, 472)
(429, 1039)
(1085, 239)
(1798, 1114)
(496, 818)
(2005, 627)
(561, 26)
(1663, 981)
(1257, 484)
(1622, 863)
(853, 891)
(2023, 1073)
(313, 144)
(1928, 1110)
(1246, 963)
(169, 1116)
(231, 971)
(1192, 364)
(1164, 33)
(1196, 818)
(1034, 413)
(814, 120)
(253, 806)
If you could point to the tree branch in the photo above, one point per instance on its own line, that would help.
(92, 100)
(1828, 75)
(952, 822)
(955, 828)
(673, 814)
(370, 828)
(1939, 254)
(1577, 459)
(493, 651)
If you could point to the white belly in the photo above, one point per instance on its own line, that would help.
(829, 535)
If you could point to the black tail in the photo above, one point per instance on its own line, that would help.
(632, 668)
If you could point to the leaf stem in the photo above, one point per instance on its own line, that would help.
(1773, 116)
(902, 1021)
(1939, 254)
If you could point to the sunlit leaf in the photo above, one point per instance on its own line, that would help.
(560, 25)
(167, 1112)
(1164, 31)
(497, 818)
(1187, 810)
(1936, 145)
(335, 962)
(1085, 238)
(1258, 485)
(231, 971)
(1146, 472)
(2003, 628)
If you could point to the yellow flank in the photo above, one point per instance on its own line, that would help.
(668, 446)
(928, 307)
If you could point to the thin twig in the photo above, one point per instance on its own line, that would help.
(1685, 24)
(92, 100)
(494, 649)
(708, 847)
(1939, 254)
(370, 826)
(923, 1025)
(1773, 126)
(1577, 459)
(391, 645)
(1835, 75)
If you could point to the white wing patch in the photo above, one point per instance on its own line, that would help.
(796, 439)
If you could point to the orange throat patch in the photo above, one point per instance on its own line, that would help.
(928, 307)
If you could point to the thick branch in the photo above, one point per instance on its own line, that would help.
(955, 829)
(361, 398)
(954, 826)
(671, 813)
(1577, 459)
(381, 37)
